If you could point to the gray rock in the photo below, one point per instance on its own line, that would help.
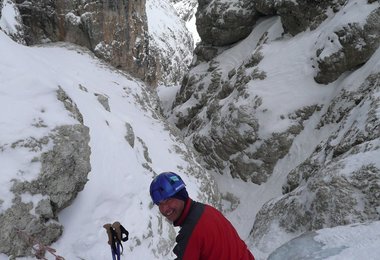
(64, 169)
(103, 100)
(16, 32)
(18, 226)
(187, 10)
(223, 146)
(69, 105)
(44, 209)
(328, 199)
(297, 16)
(115, 31)
(358, 43)
(222, 23)
(205, 52)
(130, 135)
(63, 174)
(329, 189)
(170, 43)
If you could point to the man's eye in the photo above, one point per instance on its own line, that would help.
(165, 201)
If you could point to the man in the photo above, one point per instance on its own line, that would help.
(205, 233)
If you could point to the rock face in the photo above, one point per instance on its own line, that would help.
(221, 110)
(64, 158)
(297, 16)
(355, 44)
(216, 109)
(221, 23)
(216, 101)
(186, 8)
(64, 169)
(210, 97)
(119, 32)
(115, 31)
(225, 108)
(170, 42)
(15, 29)
(329, 188)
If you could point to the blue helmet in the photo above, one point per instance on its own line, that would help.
(164, 186)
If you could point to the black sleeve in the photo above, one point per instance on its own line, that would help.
(186, 230)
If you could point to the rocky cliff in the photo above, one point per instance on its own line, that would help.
(282, 91)
(55, 170)
(206, 107)
(115, 31)
(61, 156)
(170, 42)
(240, 107)
(80, 143)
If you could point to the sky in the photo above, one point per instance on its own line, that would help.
(118, 183)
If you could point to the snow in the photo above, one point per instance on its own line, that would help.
(167, 96)
(192, 27)
(72, 18)
(355, 12)
(289, 67)
(186, 10)
(358, 241)
(171, 42)
(118, 183)
(160, 22)
(8, 21)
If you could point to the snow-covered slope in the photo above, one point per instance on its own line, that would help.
(170, 41)
(256, 107)
(357, 241)
(130, 142)
(121, 169)
(186, 10)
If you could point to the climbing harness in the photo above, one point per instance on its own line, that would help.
(116, 234)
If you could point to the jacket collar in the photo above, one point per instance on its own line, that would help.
(185, 213)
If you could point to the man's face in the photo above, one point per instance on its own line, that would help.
(171, 208)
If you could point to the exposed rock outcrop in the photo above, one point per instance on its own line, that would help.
(222, 23)
(115, 31)
(221, 117)
(186, 8)
(329, 188)
(216, 101)
(63, 156)
(63, 175)
(14, 29)
(297, 16)
(347, 47)
(170, 42)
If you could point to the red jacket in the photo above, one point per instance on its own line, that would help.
(206, 234)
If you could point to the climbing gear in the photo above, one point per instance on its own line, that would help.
(38, 249)
(164, 186)
(115, 234)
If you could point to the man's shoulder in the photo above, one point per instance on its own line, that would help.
(197, 207)
(205, 209)
(207, 206)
